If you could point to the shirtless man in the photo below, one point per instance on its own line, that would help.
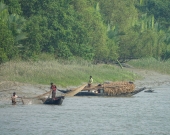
(13, 98)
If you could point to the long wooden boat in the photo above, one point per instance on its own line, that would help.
(56, 101)
(90, 93)
(128, 94)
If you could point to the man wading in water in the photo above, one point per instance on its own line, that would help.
(13, 98)
(53, 88)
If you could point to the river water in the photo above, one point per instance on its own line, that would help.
(142, 114)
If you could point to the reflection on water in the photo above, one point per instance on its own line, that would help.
(143, 114)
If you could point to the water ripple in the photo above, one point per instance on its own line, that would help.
(143, 114)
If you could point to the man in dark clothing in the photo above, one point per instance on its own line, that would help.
(53, 88)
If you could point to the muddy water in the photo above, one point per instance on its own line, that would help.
(142, 114)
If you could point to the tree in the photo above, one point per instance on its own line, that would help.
(7, 50)
(13, 6)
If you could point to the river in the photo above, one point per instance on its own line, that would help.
(142, 114)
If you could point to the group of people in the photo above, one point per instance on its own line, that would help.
(53, 88)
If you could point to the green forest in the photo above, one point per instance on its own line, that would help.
(94, 30)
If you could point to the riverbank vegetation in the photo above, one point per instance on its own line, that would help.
(152, 64)
(67, 41)
(63, 73)
(95, 30)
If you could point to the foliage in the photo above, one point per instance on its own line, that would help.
(101, 31)
(153, 64)
(13, 6)
(11, 33)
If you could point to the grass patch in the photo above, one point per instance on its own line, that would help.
(152, 64)
(62, 73)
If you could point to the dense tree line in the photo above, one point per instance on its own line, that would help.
(95, 30)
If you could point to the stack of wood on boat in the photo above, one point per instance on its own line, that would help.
(117, 88)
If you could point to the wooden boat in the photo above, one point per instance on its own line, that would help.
(101, 93)
(56, 101)
(128, 94)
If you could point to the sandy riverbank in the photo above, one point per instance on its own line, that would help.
(150, 80)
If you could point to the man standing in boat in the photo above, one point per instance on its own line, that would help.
(53, 88)
(90, 81)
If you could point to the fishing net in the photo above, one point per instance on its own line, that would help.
(35, 100)
(28, 101)
(26, 92)
(41, 98)
(75, 91)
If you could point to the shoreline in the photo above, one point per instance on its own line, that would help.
(150, 80)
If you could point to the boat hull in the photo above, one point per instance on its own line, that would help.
(104, 94)
(56, 101)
